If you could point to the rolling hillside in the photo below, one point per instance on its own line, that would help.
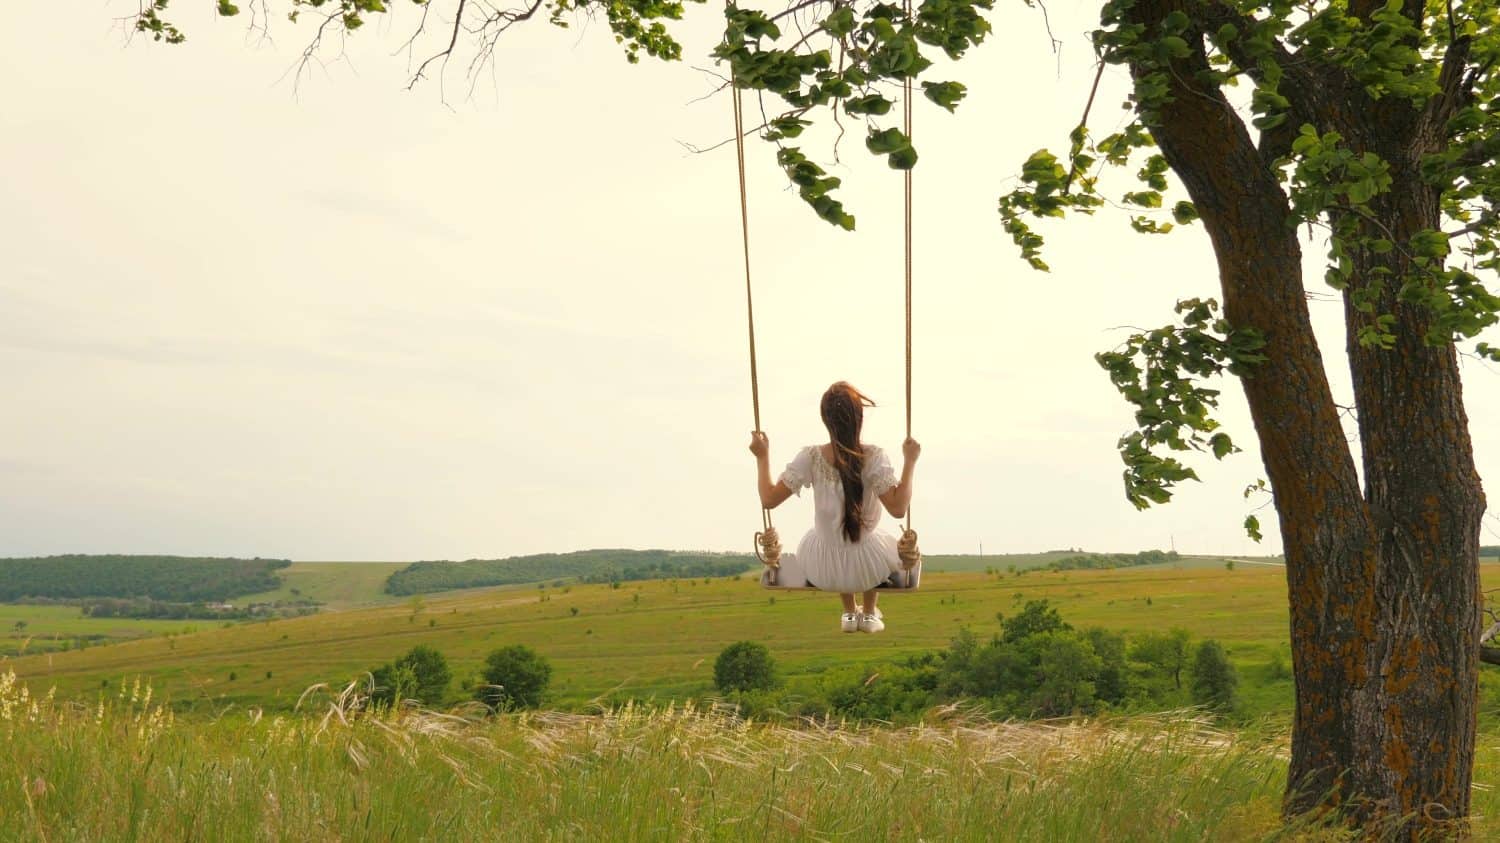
(660, 637)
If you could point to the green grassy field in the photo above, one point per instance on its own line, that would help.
(342, 586)
(48, 629)
(339, 585)
(659, 638)
(1002, 563)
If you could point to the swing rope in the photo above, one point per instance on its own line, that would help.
(906, 548)
(767, 542)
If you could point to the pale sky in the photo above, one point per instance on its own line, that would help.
(350, 322)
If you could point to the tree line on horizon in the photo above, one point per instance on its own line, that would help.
(588, 566)
(174, 579)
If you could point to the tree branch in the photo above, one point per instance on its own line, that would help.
(795, 8)
(458, 19)
(1217, 14)
(1302, 84)
(1455, 86)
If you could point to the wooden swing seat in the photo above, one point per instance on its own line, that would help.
(900, 581)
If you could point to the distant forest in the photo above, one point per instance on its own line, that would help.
(582, 566)
(176, 579)
(146, 608)
(1085, 561)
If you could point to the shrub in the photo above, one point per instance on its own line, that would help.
(744, 666)
(1215, 683)
(1068, 667)
(1037, 617)
(1166, 654)
(1277, 669)
(421, 675)
(1113, 680)
(515, 677)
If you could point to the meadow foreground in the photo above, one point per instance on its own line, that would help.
(127, 769)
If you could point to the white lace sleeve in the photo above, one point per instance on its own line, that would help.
(798, 474)
(880, 477)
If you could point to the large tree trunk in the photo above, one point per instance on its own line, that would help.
(1418, 711)
(1382, 582)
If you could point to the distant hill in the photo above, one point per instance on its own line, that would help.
(582, 566)
(1051, 560)
(167, 578)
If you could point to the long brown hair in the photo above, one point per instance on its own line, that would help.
(843, 410)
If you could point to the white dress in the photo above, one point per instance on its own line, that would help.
(825, 557)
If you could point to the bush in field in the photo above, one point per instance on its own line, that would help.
(1037, 617)
(1112, 683)
(421, 675)
(891, 693)
(514, 677)
(1215, 683)
(1068, 668)
(1165, 654)
(1038, 667)
(1035, 665)
(744, 666)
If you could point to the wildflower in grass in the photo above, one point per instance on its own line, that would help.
(7, 694)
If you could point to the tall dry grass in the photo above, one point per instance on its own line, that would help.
(124, 769)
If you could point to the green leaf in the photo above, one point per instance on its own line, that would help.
(902, 159)
(840, 22)
(1222, 446)
(883, 142)
(945, 94)
(868, 104)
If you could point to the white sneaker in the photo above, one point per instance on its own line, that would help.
(849, 622)
(870, 623)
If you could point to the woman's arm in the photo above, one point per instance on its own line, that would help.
(772, 495)
(898, 498)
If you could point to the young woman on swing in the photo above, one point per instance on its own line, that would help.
(851, 481)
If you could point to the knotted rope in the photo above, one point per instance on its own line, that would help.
(767, 542)
(906, 548)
